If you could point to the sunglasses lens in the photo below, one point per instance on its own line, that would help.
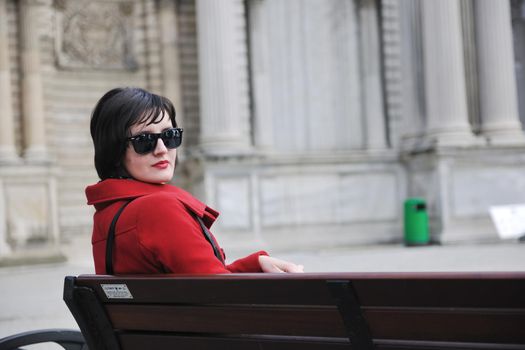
(172, 138)
(144, 143)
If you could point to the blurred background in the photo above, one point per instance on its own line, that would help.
(307, 123)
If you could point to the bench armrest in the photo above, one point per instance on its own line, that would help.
(68, 339)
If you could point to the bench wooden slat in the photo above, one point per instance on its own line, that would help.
(465, 325)
(318, 322)
(468, 325)
(433, 345)
(141, 341)
(190, 291)
(134, 341)
(473, 293)
(404, 291)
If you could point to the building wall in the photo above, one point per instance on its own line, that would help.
(306, 123)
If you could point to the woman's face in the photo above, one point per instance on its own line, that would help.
(156, 166)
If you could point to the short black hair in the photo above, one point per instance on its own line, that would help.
(112, 117)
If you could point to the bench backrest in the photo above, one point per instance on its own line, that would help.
(301, 311)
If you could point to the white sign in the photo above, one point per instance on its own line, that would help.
(509, 220)
(116, 291)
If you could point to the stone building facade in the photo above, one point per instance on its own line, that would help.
(307, 122)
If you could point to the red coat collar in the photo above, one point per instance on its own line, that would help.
(107, 191)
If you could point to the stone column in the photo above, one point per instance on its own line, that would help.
(471, 68)
(445, 87)
(170, 54)
(260, 75)
(390, 40)
(412, 82)
(497, 80)
(32, 92)
(7, 130)
(223, 77)
(371, 76)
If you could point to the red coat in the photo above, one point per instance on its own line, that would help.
(156, 232)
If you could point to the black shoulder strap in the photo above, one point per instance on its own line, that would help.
(209, 238)
(111, 240)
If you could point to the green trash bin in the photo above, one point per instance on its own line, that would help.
(416, 222)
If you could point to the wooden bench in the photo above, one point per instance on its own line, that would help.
(301, 311)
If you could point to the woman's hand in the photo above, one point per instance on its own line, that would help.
(270, 264)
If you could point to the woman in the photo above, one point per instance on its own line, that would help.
(163, 229)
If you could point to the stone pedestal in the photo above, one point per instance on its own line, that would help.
(284, 202)
(28, 213)
(460, 186)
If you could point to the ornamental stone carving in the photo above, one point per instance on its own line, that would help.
(94, 34)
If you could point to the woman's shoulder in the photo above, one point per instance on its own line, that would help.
(158, 201)
(152, 212)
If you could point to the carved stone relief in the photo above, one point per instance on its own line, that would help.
(94, 34)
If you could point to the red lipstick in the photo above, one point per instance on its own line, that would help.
(163, 164)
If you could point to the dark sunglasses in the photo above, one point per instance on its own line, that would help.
(145, 143)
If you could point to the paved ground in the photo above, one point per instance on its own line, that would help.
(31, 296)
